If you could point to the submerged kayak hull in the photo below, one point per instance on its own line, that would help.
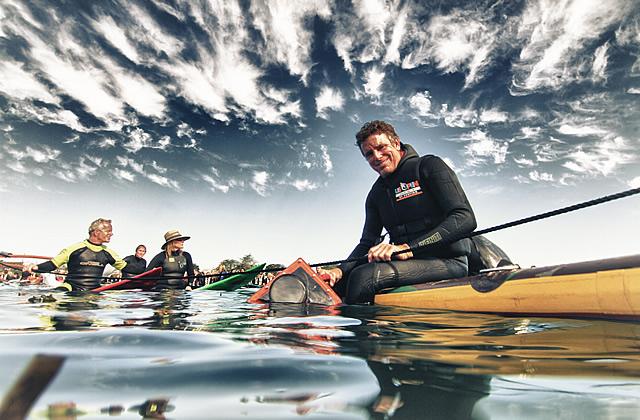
(603, 288)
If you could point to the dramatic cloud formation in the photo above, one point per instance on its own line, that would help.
(258, 96)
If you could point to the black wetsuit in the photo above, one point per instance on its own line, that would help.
(420, 203)
(86, 262)
(134, 266)
(173, 269)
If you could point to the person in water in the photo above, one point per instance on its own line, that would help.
(136, 264)
(85, 260)
(175, 262)
(420, 202)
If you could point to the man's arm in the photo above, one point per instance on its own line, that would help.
(55, 262)
(459, 217)
(118, 263)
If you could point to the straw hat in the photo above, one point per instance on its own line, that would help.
(172, 235)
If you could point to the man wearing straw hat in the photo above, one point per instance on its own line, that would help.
(175, 262)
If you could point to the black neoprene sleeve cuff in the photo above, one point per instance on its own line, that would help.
(46, 266)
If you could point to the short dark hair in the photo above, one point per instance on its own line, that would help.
(375, 127)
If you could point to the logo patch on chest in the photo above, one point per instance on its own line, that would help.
(408, 190)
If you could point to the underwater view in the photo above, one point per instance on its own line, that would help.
(209, 354)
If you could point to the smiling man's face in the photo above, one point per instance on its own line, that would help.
(382, 152)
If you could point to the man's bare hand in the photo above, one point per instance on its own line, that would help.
(383, 252)
(335, 274)
(28, 268)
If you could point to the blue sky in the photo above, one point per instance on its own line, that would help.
(234, 122)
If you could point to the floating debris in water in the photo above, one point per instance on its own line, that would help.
(42, 299)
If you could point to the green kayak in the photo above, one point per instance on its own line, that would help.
(234, 281)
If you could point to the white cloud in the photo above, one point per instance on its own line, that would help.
(19, 84)
(158, 168)
(458, 117)
(136, 91)
(481, 147)
(85, 83)
(18, 166)
(326, 159)
(117, 37)
(580, 131)
(635, 182)
(214, 183)
(530, 132)
(460, 41)
(556, 34)
(421, 103)
(601, 158)
(164, 181)
(106, 142)
(43, 154)
(139, 139)
(524, 162)
(540, 176)
(373, 82)
(259, 182)
(123, 174)
(599, 67)
(288, 36)
(84, 170)
(546, 152)
(490, 116)
(634, 91)
(399, 30)
(29, 111)
(361, 37)
(151, 34)
(197, 84)
(329, 99)
(304, 185)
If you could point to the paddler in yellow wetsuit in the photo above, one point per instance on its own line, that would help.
(85, 260)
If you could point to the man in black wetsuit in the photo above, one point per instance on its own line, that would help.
(136, 264)
(85, 260)
(420, 202)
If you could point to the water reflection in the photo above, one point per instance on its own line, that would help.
(212, 355)
(170, 310)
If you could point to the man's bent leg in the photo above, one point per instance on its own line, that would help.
(368, 279)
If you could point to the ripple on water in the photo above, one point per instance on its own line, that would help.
(213, 355)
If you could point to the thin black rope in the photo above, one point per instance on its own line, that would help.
(363, 258)
(518, 222)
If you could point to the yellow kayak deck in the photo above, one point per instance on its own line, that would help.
(602, 288)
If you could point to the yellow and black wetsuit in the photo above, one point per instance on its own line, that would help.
(85, 264)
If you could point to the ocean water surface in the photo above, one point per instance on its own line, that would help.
(209, 355)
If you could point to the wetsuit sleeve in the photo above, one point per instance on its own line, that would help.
(46, 267)
(459, 218)
(157, 261)
(60, 259)
(128, 259)
(370, 234)
(117, 262)
(190, 271)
